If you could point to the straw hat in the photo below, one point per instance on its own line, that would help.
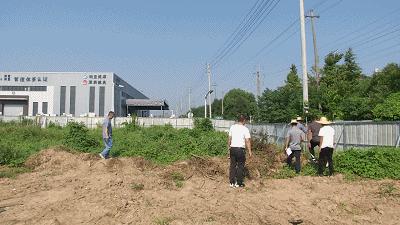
(299, 118)
(293, 121)
(324, 121)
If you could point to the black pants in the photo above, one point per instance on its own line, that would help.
(325, 156)
(236, 169)
(313, 145)
(297, 154)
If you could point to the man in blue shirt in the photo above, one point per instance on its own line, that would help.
(107, 135)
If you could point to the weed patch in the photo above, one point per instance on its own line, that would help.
(137, 187)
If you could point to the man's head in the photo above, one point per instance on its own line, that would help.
(111, 114)
(293, 122)
(242, 119)
(299, 119)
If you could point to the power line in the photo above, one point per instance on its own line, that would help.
(291, 25)
(349, 34)
(244, 20)
(247, 31)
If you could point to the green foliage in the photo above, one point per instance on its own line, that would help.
(389, 109)
(237, 102)
(77, 137)
(384, 83)
(375, 163)
(203, 124)
(284, 103)
(388, 190)
(178, 179)
(165, 144)
(20, 140)
(137, 187)
(12, 172)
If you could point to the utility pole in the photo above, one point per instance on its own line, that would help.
(258, 83)
(316, 57)
(222, 104)
(209, 86)
(304, 56)
(215, 91)
(190, 93)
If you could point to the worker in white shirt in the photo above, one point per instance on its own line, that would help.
(238, 141)
(326, 135)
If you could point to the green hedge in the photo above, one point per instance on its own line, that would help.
(375, 163)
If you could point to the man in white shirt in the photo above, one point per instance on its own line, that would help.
(239, 139)
(326, 135)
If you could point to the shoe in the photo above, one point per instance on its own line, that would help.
(241, 185)
(233, 185)
(101, 156)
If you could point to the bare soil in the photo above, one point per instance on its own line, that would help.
(66, 188)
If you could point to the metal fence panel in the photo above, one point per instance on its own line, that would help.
(347, 134)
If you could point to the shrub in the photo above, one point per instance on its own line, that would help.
(77, 136)
(203, 124)
(9, 155)
(375, 163)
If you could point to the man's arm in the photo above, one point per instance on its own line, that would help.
(286, 143)
(105, 131)
(248, 145)
(321, 139)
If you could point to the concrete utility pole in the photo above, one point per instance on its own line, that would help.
(222, 104)
(258, 83)
(304, 56)
(316, 57)
(215, 91)
(190, 93)
(209, 86)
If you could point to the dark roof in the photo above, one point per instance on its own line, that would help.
(149, 104)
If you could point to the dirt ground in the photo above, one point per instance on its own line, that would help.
(65, 188)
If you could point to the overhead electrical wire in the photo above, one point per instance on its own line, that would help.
(246, 31)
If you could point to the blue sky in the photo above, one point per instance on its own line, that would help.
(161, 47)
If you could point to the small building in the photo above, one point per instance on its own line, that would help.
(66, 93)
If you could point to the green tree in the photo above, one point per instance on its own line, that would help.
(238, 101)
(284, 103)
(384, 83)
(389, 109)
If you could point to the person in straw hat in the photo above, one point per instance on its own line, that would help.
(300, 125)
(326, 135)
(294, 137)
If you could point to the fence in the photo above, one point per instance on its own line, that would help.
(347, 134)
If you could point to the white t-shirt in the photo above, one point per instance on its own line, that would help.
(327, 132)
(239, 133)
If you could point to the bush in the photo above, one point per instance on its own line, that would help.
(77, 137)
(9, 155)
(375, 163)
(203, 124)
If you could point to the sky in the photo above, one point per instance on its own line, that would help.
(162, 47)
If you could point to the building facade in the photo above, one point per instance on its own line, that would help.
(64, 93)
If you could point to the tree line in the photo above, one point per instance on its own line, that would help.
(343, 92)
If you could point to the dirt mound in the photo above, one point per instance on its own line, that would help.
(69, 188)
(52, 159)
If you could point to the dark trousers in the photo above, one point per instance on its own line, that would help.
(313, 145)
(297, 154)
(325, 156)
(236, 169)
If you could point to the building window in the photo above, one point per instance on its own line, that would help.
(44, 107)
(35, 109)
(72, 96)
(102, 100)
(91, 99)
(23, 88)
(62, 99)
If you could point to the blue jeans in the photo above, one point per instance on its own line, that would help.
(108, 143)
